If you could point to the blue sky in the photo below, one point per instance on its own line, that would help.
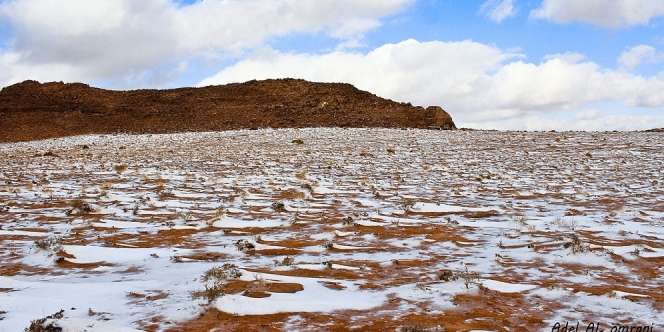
(510, 64)
(458, 20)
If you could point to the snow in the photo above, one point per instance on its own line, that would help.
(188, 198)
(420, 207)
(314, 298)
(505, 287)
(228, 222)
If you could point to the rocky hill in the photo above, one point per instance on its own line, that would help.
(31, 110)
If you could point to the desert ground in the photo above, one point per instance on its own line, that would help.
(332, 229)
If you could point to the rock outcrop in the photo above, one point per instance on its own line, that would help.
(32, 110)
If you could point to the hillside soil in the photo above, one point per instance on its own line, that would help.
(31, 110)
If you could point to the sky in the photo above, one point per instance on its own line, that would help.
(492, 64)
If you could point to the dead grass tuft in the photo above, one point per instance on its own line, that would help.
(291, 194)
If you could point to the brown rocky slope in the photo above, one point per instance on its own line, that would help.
(31, 110)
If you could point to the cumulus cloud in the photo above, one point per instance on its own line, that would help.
(639, 54)
(603, 13)
(478, 83)
(93, 39)
(498, 10)
(584, 119)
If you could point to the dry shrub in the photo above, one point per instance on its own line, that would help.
(41, 325)
(468, 277)
(244, 246)
(215, 280)
(291, 194)
(120, 168)
(51, 244)
(279, 207)
(80, 207)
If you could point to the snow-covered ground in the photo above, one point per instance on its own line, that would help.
(465, 230)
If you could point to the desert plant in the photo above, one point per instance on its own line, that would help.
(46, 324)
(51, 244)
(293, 219)
(120, 168)
(279, 207)
(215, 280)
(186, 216)
(291, 194)
(224, 272)
(80, 207)
(468, 277)
(576, 245)
(348, 221)
(407, 203)
(287, 261)
(244, 246)
(308, 187)
(521, 219)
(568, 223)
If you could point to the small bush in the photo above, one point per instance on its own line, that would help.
(407, 203)
(287, 261)
(215, 281)
(447, 275)
(279, 207)
(244, 246)
(224, 272)
(575, 245)
(80, 207)
(51, 244)
(40, 325)
(120, 168)
(291, 194)
(468, 277)
(348, 221)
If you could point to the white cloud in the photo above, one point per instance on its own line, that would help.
(478, 83)
(639, 54)
(498, 10)
(101, 39)
(13, 70)
(584, 119)
(603, 13)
